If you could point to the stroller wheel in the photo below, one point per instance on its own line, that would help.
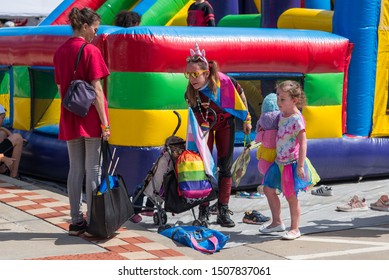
(204, 224)
(162, 228)
(156, 218)
(164, 217)
(197, 223)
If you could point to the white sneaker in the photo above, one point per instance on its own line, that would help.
(323, 191)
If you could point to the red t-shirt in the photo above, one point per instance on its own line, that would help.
(91, 67)
(200, 15)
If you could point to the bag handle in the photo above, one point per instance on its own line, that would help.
(104, 150)
(198, 247)
(78, 60)
(213, 239)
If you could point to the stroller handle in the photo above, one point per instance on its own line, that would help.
(178, 123)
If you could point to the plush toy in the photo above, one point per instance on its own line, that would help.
(266, 129)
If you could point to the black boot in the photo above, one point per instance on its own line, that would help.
(223, 216)
(204, 214)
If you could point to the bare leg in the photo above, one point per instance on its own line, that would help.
(275, 206)
(294, 207)
(17, 142)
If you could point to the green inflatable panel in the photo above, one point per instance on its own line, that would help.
(324, 89)
(43, 85)
(146, 91)
(161, 12)
(4, 82)
(250, 20)
(110, 8)
(21, 82)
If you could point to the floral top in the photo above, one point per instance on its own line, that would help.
(287, 145)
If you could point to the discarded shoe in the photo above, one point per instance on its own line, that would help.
(354, 205)
(267, 229)
(323, 191)
(291, 235)
(242, 194)
(136, 218)
(256, 195)
(382, 204)
(254, 217)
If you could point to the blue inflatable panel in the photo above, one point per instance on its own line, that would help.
(334, 159)
(362, 32)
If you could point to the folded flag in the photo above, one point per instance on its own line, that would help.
(197, 142)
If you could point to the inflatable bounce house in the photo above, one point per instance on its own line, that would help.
(336, 49)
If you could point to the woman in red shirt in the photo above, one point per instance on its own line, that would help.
(82, 134)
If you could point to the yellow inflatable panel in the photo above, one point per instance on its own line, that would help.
(380, 118)
(22, 113)
(4, 100)
(180, 18)
(145, 128)
(312, 19)
(323, 121)
(51, 116)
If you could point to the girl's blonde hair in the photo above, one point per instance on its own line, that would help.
(295, 91)
(191, 92)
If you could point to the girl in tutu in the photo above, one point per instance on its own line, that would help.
(291, 172)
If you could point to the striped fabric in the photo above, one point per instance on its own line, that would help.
(193, 183)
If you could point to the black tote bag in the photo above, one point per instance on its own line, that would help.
(112, 208)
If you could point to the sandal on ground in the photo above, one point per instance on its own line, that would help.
(381, 205)
(254, 217)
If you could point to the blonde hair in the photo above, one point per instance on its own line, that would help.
(191, 92)
(294, 90)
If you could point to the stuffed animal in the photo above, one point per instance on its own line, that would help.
(266, 129)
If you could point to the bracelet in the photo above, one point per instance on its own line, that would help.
(105, 128)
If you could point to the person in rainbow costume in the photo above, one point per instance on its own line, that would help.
(209, 88)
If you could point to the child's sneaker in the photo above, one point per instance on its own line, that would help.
(242, 194)
(256, 195)
(382, 204)
(77, 229)
(254, 217)
(354, 205)
(323, 191)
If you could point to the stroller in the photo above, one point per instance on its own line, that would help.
(160, 185)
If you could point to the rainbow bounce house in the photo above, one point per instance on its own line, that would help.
(336, 49)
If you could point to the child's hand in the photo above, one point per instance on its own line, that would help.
(300, 172)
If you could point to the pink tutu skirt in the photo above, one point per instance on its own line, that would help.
(285, 178)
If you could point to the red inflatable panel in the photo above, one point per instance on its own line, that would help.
(29, 50)
(149, 53)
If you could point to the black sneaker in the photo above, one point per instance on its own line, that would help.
(213, 209)
(77, 229)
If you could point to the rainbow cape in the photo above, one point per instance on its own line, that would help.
(230, 100)
(197, 142)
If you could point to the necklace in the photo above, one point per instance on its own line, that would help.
(205, 124)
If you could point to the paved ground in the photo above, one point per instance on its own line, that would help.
(34, 219)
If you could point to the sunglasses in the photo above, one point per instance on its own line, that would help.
(194, 75)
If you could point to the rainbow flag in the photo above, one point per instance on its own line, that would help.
(197, 142)
(230, 101)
